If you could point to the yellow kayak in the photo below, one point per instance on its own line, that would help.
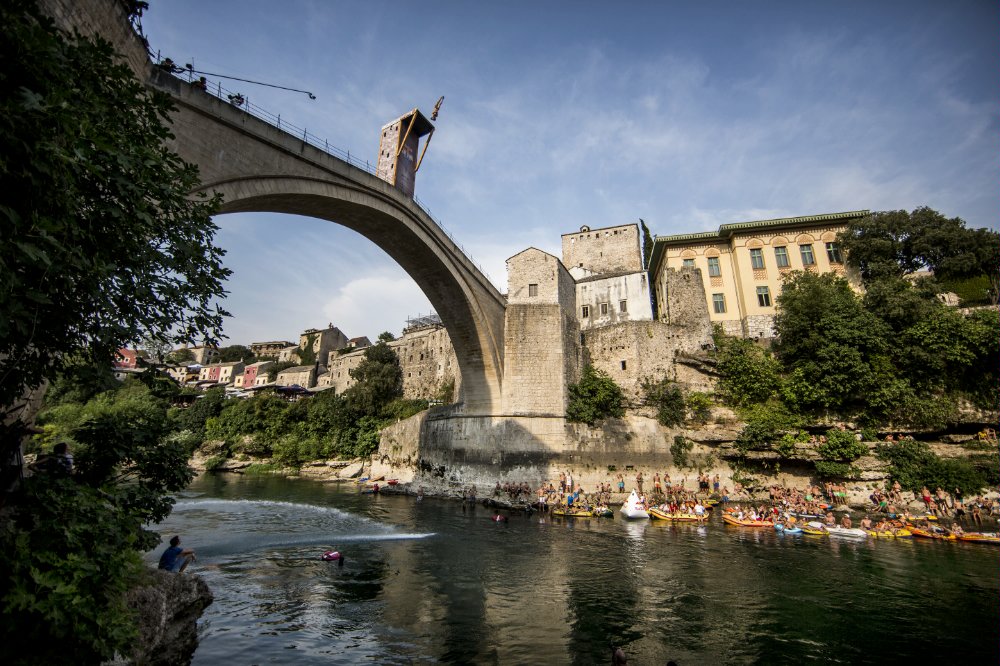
(813, 531)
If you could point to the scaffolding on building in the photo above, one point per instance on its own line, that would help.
(422, 321)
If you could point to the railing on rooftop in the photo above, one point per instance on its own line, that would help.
(243, 103)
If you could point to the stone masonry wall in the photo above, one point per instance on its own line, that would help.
(541, 335)
(685, 301)
(428, 361)
(632, 351)
(609, 250)
(426, 358)
(759, 326)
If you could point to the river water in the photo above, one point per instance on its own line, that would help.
(435, 581)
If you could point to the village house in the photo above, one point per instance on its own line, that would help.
(301, 375)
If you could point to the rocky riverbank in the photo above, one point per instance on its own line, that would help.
(620, 447)
(167, 606)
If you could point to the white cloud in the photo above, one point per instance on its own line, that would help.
(372, 304)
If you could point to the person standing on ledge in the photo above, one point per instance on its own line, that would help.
(176, 558)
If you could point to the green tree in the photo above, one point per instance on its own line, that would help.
(101, 246)
(71, 543)
(100, 243)
(206, 406)
(832, 347)
(914, 465)
(841, 446)
(748, 374)
(594, 398)
(379, 380)
(180, 356)
(386, 336)
(895, 243)
(236, 353)
(647, 243)
(766, 424)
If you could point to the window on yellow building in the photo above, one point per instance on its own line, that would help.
(781, 256)
(833, 253)
(763, 297)
(689, 263)
(714, 269)
(532, 290)
(757, 258)
(719, 303)
(807, 255)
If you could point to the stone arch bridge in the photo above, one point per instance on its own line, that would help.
(258, 167)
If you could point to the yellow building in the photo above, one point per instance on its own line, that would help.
(742, 265)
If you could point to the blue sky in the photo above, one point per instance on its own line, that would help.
(558, 114)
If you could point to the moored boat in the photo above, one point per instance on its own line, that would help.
(570, 512)
(660, 514)
(633, 508)
(933, 533)
(733, 520)
(814, 531)
(843, 532)
(980, 537)
(890, 534)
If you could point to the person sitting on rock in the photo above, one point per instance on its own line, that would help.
(176, 558)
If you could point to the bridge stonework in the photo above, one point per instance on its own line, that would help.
(257, 167)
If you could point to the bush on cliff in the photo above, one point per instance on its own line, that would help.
(666, 397)
(914, 465)
(594, 398)
(842, 446)
(748, 374)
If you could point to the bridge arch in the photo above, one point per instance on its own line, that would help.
(256, 167)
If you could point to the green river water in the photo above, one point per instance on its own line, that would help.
(436, 581)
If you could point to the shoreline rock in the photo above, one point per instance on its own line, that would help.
(167, 607)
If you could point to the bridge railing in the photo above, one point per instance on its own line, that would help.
(243, 103)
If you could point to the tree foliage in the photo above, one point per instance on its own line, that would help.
(749, 374)
(830, 345)
(71, 543)
(895, 243)
(914, 465)
(841, 446)
(180, 356)
(379, 380)
(594, 398)
(234, 353)
(100, 244)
